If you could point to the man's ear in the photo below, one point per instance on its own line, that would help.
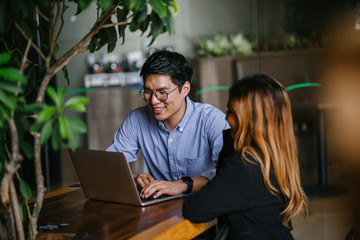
(186, 88)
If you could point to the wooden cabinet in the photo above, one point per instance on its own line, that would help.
(107, 109)
(288, 67)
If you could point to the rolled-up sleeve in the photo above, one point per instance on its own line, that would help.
(125, 139)
(215, 125)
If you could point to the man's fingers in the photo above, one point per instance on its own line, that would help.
(140, 181)
(148, 177)
(158, 194)
(158, 188)
(144, 179)
(149, 189)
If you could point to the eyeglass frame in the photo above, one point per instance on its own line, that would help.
(142, 94)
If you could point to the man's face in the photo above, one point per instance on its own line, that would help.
(173, 109)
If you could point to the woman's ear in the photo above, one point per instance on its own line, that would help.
(186, 88)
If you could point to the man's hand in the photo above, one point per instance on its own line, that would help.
(143, 179)
(159, 187)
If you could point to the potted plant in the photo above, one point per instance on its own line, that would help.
(32, 28)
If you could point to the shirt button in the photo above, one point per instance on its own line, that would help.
(172, 161)
(170, 140)
(180, 129)
(176, 178)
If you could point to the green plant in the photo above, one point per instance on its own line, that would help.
(284, 42)
(29, 32)
(221, 45)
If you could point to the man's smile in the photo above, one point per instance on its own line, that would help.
(158, 110)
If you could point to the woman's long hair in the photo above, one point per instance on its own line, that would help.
(262, 111)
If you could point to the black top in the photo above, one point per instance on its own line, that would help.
(239, 198)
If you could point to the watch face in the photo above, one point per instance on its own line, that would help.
(186, 180)
(189, 182)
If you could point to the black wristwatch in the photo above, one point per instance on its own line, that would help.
(189, 182)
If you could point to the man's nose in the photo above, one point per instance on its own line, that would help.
(154, 99)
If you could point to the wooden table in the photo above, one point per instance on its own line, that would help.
(89, 219)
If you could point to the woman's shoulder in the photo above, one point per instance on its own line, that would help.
(243, 157)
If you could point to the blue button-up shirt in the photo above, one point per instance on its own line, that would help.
(190, 149)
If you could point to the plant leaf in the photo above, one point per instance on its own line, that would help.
(73, 138)
(156, 25)
(121, 14)
(159, 7)
(4, 58)
(84, 4)
(141, 14)
(130, 4)
(144, 25)
(122, 33)
(13, 75)
(32, 78)
(23, 125)
(46, 113)
(76, 125)
(61, 94)
(174, 8)
(45, 132)
(66, 75)
(94, 44)
(56, 137)
(62, 127)
(22, 211)
(33, 108)
(112, 35)
(105, 4)
(77, 103)
(11, 88)
(36, 126)
(169, 23)
(52, 94)
(25, 190)
(37, 208)
(134, 26)
(4, 115)
(8, 100)
(27, 148)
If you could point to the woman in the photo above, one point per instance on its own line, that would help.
(256, 190)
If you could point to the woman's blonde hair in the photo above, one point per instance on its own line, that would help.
(264, 130)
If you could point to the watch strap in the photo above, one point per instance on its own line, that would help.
(189, 182)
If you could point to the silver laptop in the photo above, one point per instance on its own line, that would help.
(106, 176)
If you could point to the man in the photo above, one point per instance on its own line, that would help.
(180, 140)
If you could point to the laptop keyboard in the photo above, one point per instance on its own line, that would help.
(151, 198)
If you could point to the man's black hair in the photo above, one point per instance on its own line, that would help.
(170, 63)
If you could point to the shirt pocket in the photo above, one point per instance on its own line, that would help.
(196, 166)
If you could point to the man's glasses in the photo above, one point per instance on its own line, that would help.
(161, 95)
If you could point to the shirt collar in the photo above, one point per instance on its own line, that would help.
(188, 112)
